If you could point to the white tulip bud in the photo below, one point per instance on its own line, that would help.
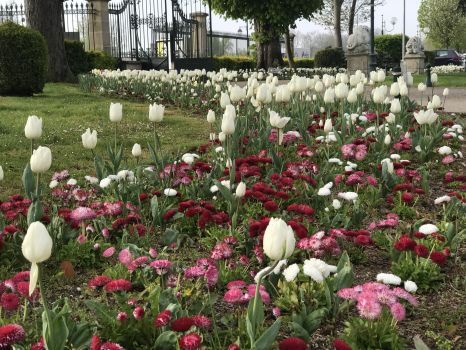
(237, 94)
(421, 87)
(381, 76)
(434, 78)
(395, 89)
(116, 112)
(89, 139)
(341, 91)
(222, 137)
(211, 116)
(33, 128)
(279, 241)
(436, 102)
(224, 100)
(329, 96)
(352, 96)
(446, 92)
(228, 120)
(36, 248)
(156, 112)
(319, 86)
(240, 190)
(328, 125)
(136, 151)
(387, 139)
(41, 160)
(395, 106)
(404, 90)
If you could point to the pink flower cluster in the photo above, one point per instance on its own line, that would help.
(391, 221)
(320, 244)
(353, 151)
(240, 293)
(204, 268)
(371, 297)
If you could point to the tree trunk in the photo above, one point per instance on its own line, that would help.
(269, 53)
(337, 22)
(289, 49)
(352, 14)
(46, 16)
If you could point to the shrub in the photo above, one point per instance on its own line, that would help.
(302, 62)
(329, 58)
(101, 60)
(23, 60)
(389, 50)
(234, 63)
(77, 57)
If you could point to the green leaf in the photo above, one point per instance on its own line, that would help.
(419, 344)
(28, 181)
(224, 191)
(267, 338)
(80, 335)
(54, 330)
(166, 341)
(101, 310)
(99, 167)
(35, 211)
(169, 236)
(154, 207)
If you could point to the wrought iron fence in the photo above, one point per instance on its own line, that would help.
(77, 20)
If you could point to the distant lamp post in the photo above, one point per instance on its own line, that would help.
(373, 59)
(393, 21)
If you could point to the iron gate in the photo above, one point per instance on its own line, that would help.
(154, 31)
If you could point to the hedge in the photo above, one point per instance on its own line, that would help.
(81, 61)
(389, 49)
(23, 60)
(234, 63)
(330, 58)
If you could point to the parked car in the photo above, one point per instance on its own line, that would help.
(446, 57)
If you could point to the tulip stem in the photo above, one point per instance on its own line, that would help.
(37, 185)
(32, 146)
(116, 129)
(25, 311)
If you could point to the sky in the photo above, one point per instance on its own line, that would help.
(392, 8)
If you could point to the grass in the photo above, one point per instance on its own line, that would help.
(444, 80)
(66, 113)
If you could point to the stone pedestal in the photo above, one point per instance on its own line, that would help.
(358, 61)
(199, 34)
(415, 63)
(100, 37)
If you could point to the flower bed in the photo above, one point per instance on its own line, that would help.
(258, 239)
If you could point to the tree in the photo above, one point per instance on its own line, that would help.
(347, 12)
(442, 21)
(46, 17)
(271, 18)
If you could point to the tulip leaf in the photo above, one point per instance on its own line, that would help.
(267, 338)
(224, 191)
(169, 236)
(166, 341)
(99, 167)
(54, 329)
(35, 212)
(80, 334)
(28, 181)
(419, 344)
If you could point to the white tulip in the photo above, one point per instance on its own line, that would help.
(446, 92)
(36, 248)
(89, 139)
(279, 241)
(33, 128)
(224, 100)
(319, 86)
(390, 118)
(116, 112)
(434, 78)
(387, 139)
(237, 94)
(276, 121)
(425, 117)
(228, 120)
(341, 91)
(404, 90)
(283, 94)
(395, 106)
(136, 151)
(395, 89)
(378, 95)
(328, 125)
(381, 76)
(329, 96)
(41, 160)
(240, 190)
(389, 164)
(170, 192)
(211, 116)
(436, 102)
(352, 96)
(156, 112)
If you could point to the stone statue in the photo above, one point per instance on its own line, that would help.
(358, 42)
(414, 46)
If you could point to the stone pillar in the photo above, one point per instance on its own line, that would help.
(358, 61)
(415, 63)
(100, 35)
(199, 34)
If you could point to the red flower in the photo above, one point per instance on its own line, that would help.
(234, 347)
(438, 257)
(95, 343)
(111, 346)
(182, 324)
(421, 250)
(39, 345)
(340, 344)
(138, 313)
(405, 243)
(118, 286)
(9, 301)
(363, 240)
(99, 281)
(11, 334)
(292, 344)
(270, 206)
(202, 321)
(163, 318)
(407, 197)
(190, 341)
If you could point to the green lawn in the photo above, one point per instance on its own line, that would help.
(444, 80)
(67, 112)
